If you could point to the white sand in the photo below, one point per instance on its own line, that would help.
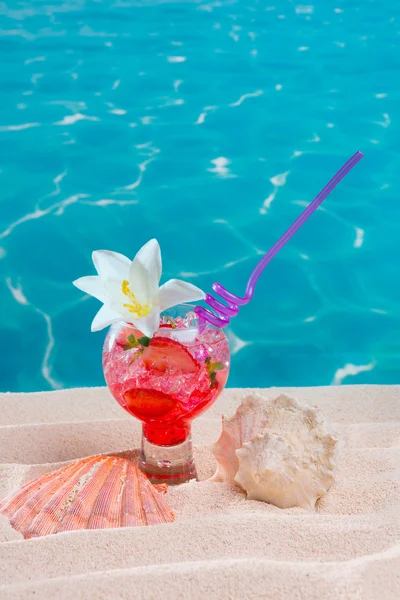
(221, 545)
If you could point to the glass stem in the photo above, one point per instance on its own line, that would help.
(168, 464)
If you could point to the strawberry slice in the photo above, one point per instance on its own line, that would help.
(148, 404)
(164, 354)
(122, 337)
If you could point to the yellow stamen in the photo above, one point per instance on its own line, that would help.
(139, 310)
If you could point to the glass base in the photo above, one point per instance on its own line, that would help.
(168, 464)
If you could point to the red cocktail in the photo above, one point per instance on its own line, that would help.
(166, 381)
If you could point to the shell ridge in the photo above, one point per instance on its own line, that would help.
(154, 504)
(78, 512)
(46, 510)
(16, 499)
(132, 515)
(105, 511)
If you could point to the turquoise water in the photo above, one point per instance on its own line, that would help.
(209, 125)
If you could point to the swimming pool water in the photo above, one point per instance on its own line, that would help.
(209, 125)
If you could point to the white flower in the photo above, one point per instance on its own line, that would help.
(130, 290)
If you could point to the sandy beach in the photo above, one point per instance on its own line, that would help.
(220, 545)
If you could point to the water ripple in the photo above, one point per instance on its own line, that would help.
(18, 295)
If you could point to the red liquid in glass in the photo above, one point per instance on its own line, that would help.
(169, 383)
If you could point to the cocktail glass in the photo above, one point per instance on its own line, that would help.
(166, 382)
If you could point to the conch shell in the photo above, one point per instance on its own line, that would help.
(277, 451)
(92, 493)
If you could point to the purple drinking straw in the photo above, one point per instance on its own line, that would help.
(231, 308)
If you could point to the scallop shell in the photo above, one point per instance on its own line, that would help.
(93, 493)
(277, 451)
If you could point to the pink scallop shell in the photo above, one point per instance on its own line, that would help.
(97, 492)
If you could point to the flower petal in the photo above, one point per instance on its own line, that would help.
(141, 283)
(111, 264)
(145, 272)
(92, 285)
(120, 303)
(149, 256)
(176, 291)
(106, 316)
(149, 324)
